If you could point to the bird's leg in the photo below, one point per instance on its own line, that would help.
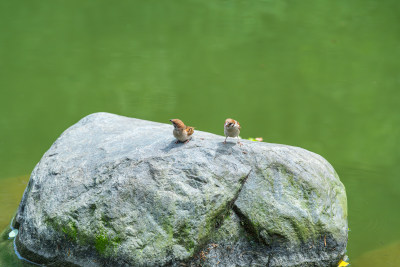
(240, 144)
(187, 141)
(177, 141)
(225, 139)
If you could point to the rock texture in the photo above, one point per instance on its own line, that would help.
(117, 191)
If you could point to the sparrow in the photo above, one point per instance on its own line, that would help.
(181, 132)
(232, 129)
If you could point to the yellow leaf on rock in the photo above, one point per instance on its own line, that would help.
(342, 263)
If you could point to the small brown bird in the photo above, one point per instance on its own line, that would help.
(181, 132)
(232, 129)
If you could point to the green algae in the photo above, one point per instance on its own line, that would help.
(293, 226)
(104, 242)
(165, 239)
(212, 221)
(183, 236)
(70, 229)
(232, 229)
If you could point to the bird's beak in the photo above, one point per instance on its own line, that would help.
(170, 120)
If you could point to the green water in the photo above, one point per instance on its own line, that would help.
(323, 75)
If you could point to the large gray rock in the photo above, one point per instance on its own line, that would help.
(116, 191)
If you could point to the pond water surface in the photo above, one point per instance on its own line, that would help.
(322, 75)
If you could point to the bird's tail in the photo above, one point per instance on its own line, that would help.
(189, 130)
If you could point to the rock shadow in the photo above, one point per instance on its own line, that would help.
(225, 149)
(174, 145)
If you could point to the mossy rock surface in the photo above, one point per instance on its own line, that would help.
(116, 191)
